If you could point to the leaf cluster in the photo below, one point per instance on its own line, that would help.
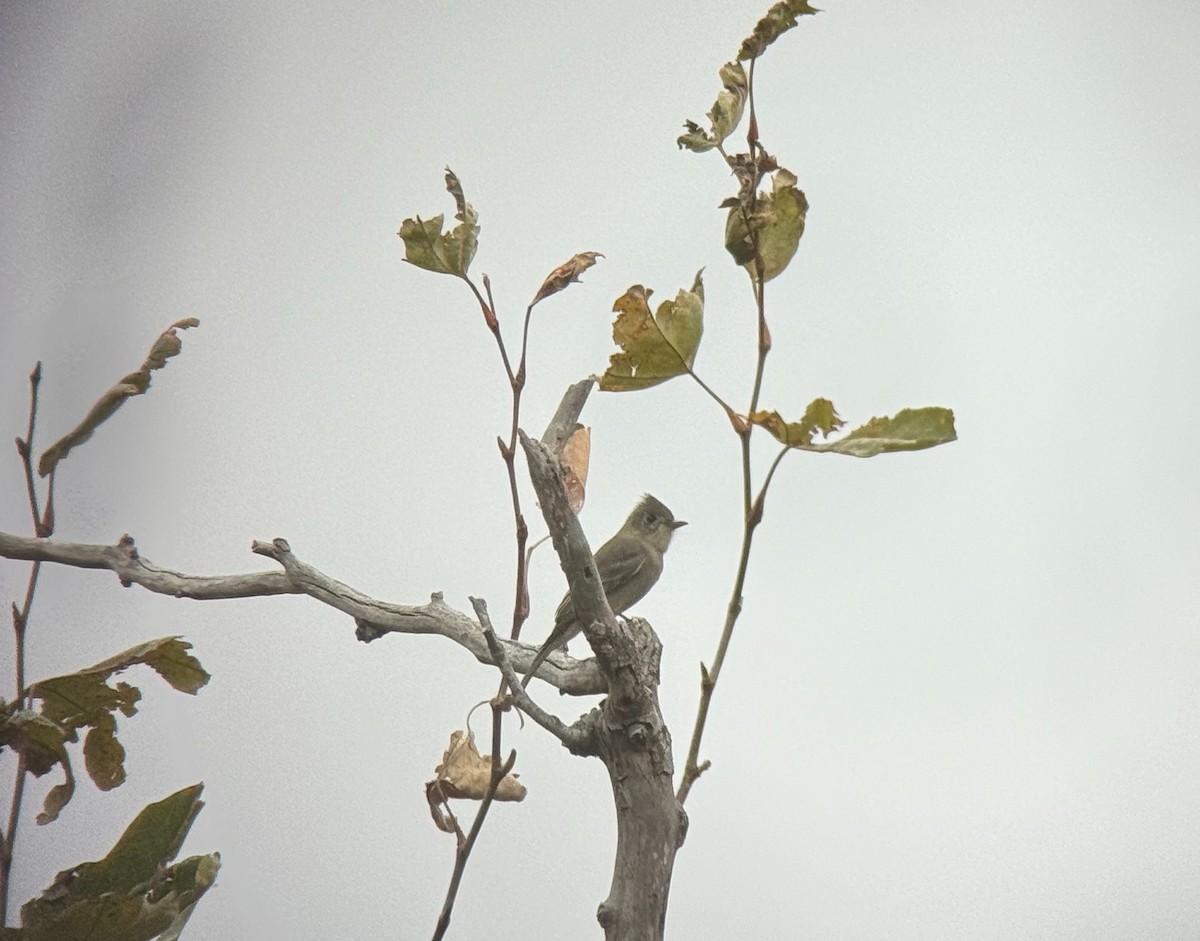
(136, 892)
(87, 700)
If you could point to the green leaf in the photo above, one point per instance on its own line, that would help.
(167, 345)
(86, 699)
(777, 21)
(133, 894)
(725, 115)
(167, 656)
(819, 418)
(57, 797)
(655, 347)
(41, 741)
(777, 220)
(426, 246)
(103, 755)
(912, 429)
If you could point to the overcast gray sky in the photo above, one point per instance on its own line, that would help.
(963, 699)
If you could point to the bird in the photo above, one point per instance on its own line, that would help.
(629, 564)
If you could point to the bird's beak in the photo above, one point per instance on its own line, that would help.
(675, 525)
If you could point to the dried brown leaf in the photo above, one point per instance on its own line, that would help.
(575, 455)
(464, 773)
(566, 273)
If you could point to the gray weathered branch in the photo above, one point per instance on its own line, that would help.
(132, 569)
(631, 737)
(374, 617)
(562, 425)
(579, 738)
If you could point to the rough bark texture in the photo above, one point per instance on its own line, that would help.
(632, 738)
(374, 617)
(635, 745)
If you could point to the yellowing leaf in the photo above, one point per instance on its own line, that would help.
(819, 418)
(777, 21)
(426, 246)
(655, 347)
(725, 115)
(167, 345)
(911, 429)
(778, 222)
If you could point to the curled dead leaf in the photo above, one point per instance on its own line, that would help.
(566, 273)
(167, 345)
(464, 773)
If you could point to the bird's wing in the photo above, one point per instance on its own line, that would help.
(622, 570)
(615, 568)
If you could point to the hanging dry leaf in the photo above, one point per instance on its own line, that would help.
(464, 773)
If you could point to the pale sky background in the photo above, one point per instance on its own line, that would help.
(964, 697)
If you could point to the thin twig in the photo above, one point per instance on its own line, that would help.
(20, 618)
(752, 506)
(25, 447)
(489, 316)
(508, 451)
(9, 838)
(572, 736)
(566, 416)
(464, 849)
(42, 526)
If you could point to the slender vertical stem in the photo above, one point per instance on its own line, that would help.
(508, 451)
(9, 838)
(464, 850)
(752, 506)
(20, 618)
(25, 447)
(43, 525)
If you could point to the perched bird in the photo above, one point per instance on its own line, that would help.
(629, 564)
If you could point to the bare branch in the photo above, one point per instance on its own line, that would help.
(131, 569)
(374, 617)
(545, 470)
(631, 737)
(562, 425)
(576, 737)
